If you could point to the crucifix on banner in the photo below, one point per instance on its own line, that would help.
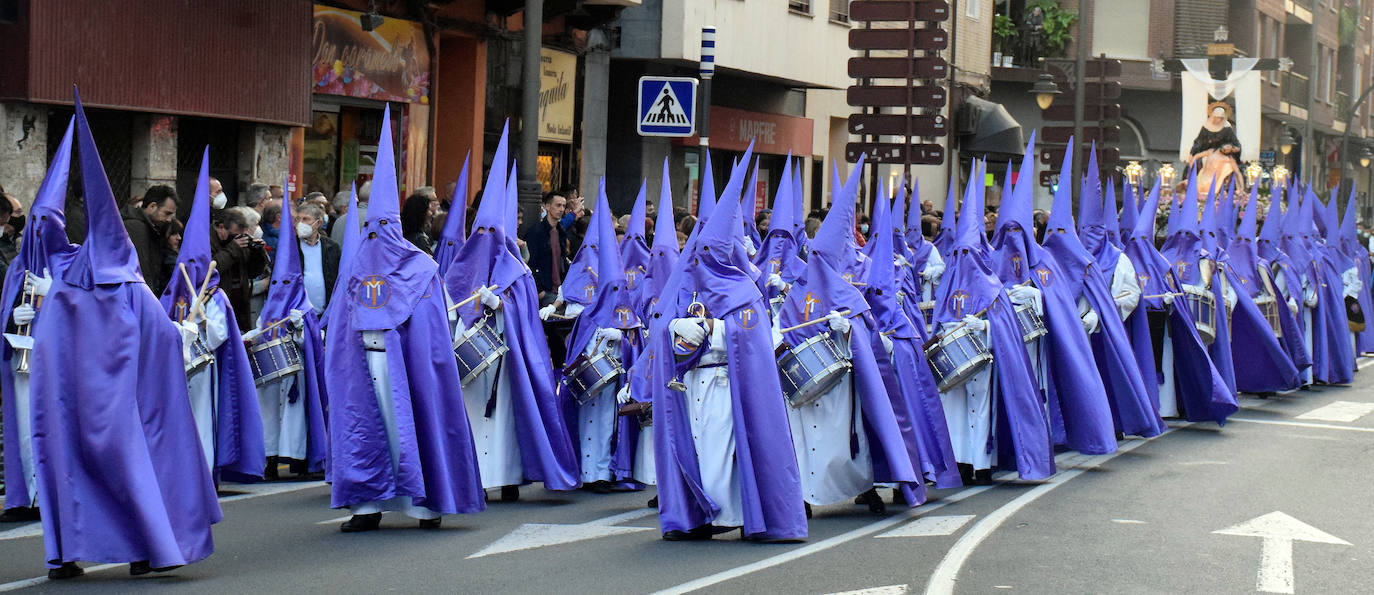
(1220, 128)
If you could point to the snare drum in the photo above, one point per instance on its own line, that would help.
(1270, 309)
(957, 357)
(1032, 327)
(274, 359)
(478, 350)
(591, 374)
(1203, 307)
(811, 369)
(201, 356)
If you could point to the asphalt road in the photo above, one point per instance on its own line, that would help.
(1276, 501)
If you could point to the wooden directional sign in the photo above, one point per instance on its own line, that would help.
(1049, 179)
(1110, 111)
(1095, 68)
(933, 67)
(1055, 155)
(1102, 90)
(898, 39)
(1061, 134)
(921, 96)
(920, 154)
(921, 125)
(898, 10)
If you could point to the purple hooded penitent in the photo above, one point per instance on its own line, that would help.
(394, 288)
(969, 286)
(1079, 413)
(634, 249)
(944, 239)
(906, 377)
(43, 246)
(138, 488)
(823, 289)
(580, 282)
(770, 484)
(1359, 254)
(780, 253)
(238, 439)
(286, 293)
(453, 234)
(1189, 245)
(485, 260)
(1132, 410)
(1332, 354)
(1290, 290)
(1202, 392)
(749, 205)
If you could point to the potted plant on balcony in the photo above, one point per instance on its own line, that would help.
(1056, 24)
(1003, 38)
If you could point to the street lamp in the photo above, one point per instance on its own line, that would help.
(1365, 156)
(1044, 90)
(1133, 172)
(1286, 141)
(1278, 175)
(1253, 172)
(1166, 174)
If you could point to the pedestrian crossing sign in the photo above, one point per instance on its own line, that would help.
(667, 106)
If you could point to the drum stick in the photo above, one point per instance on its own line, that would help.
(469, 299)
(938, 336)
(1160, 295)
(789, 329)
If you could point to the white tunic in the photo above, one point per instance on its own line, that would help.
(710, 410)
(24, 423)
(203, 384)
(498, 445)
(596, 423)
(1126, 290)
(285, 428)
(1168, 393)
(968, 412)
(375, 343)
(821, 440)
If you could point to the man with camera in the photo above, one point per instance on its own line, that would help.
(240, 258)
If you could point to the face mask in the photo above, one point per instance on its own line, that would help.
(304, 230)
(219, 200)
(257, 233)
(863, 228)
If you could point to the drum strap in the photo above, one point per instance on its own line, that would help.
(495, 385)
(853, 420)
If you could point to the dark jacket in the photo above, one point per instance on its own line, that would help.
(422, 241)
(330, 254)
(237, 268)
(541, 265)
(148, 244)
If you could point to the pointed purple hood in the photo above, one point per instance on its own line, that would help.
(451, 238)
(195, 249)
(107, 256)
(580, 283)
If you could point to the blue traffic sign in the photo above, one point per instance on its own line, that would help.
(667, 106)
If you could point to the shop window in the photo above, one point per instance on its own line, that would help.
(801, 6)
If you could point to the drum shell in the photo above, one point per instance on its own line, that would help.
(956, 357)
(591, 374)
(478, 350)
(274, 359)
(201, 356)
(1032, 326)
(1269, 307)
(809, 370)
(1203, 308)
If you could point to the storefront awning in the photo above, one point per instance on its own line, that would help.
(993, 130)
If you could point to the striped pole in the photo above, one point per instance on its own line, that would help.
(706, 70)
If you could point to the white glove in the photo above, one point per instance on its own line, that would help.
(1293, 306)
(610, 337)
(37, 285)
(24, 314)
(1309, 298)
(691, 330)
(250, 335)
(1023, 294)
(887, 343)
(1090, 322)
(190, 331)
(901, 261)
(1169, 299)
(623, 396)
(837, 322)
(928, 274)
(547, 311)
(297, 317)
(975, 323)
(775, 280)
(488, 298)
(1228, 295)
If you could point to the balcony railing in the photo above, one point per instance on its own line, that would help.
(1296, 89)
(1303, 3)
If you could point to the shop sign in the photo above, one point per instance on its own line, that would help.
(389, 63)
(557, 95)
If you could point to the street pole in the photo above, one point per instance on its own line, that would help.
(1345, 136)
(1079, 97)
(1308, 153)
(528, 183)
(707, 69)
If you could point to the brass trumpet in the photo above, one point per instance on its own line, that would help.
(33, 300)
(697, 309)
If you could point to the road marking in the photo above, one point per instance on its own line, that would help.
(1346, 411)
(888, 590)
(537, 535)
(1298, 424)
(942, 580)
(1278, 531)
(332, 521)
(930, 526)
(1128, 522)
(34, 582)
(1190, 463)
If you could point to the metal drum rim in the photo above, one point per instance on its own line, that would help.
(841, 366)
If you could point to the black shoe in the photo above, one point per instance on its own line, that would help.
(510, 493)
(982, 477)
(599, 487)
(653, 502)
(270, 473)
(362, 522)
(874, 501)
(22, 514)
(966, 473)
(298, 467)
(143, 567)
(431, 523)
(702, 533)
(808, 509)
(66, 571)
(898, 498)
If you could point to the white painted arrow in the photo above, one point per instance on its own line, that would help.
(888, 590)
(534, 535)
(1277, 532)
